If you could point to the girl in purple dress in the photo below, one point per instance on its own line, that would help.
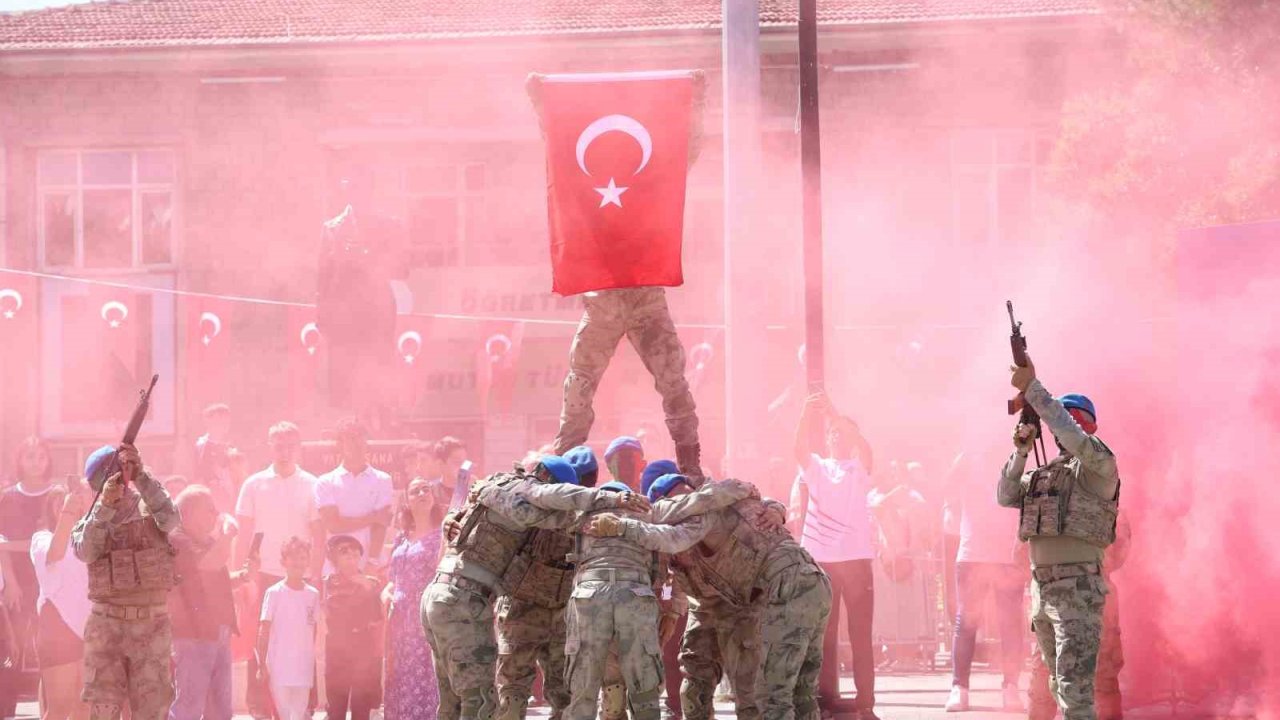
(411, 692)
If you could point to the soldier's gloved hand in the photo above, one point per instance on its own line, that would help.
(739, 489)
(130, 462)
(604, 525)
(1024, 437)
(633, 502)
(1021, 377)
(771, 519)
(113, 490)
(451, 528)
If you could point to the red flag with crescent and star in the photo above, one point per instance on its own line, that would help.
(303, 340)
(19, 352)
(617, 164)
(208, 349)
(413, 332)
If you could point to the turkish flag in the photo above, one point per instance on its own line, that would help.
(413, 333)
(18, 314)
(208, 330)
(303, 340)
(106, 348)
(617, 160)
(497, 365)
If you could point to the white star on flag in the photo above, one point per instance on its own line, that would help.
(611, 195)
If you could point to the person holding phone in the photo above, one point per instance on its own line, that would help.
(202, 609)
(63, 605)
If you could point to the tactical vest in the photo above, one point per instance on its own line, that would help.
(1056, 504)
(731, 571)
(482, 543)
(137, 558)
(541, 573)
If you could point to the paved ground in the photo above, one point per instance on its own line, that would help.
(915, 696)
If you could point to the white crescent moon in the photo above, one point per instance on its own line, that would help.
(214, 320)
(307, 330)
(11, 293)
(110, 305)
(499, 339)
(620, 123)
(413, 335)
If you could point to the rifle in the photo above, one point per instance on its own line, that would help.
(1018, 343)
(130, 434)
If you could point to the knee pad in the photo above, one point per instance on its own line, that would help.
(613, 704)
(644, 705)
(478, 704)
(104, 711)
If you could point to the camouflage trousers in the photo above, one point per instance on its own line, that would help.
(459, 628)
(719, 637)
(599, 615)
(530, 635)
(1106, 679)
(1066, 617)
(795, 618)
(641, 314)
(127, 661)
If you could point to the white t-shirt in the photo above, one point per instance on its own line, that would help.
(281, 507)
(64, 583)
(353, 496)
(988, 532)
(837, 521)
(291, 650)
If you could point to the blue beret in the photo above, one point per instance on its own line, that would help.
(98, 464)
(626, 442)
(1079, 402)
(664, 485)
(582, 460)
(655, 470)
(615, 486)
(560, 469)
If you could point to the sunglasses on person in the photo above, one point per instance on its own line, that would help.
(421, 491)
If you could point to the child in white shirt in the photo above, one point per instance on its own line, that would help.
(287, 635)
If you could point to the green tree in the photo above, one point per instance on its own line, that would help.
(1188, 132)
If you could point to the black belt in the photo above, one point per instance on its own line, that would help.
(1050, 573)
(464, 583)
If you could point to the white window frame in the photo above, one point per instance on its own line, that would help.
(137, 189)
(991, 170)
(459, 195)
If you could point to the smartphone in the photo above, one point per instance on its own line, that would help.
(256, 546)
(465, 468)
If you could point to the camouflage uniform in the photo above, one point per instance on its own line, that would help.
(1106, 679)
(781, 586)
(1068, 511)
(614, 606)
(457, 607)
(641, 314)
(128, 639)
(531, 628)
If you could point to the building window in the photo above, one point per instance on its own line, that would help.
(445, 213)
(993, 185)
(4, 206)
(106, 209)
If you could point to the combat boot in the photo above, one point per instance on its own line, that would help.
(688, 459)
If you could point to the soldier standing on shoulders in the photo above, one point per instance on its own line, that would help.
(485, 536)
(125, 542)
(1069, 509)
(531, 629)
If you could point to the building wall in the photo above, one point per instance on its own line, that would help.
(919, 130)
